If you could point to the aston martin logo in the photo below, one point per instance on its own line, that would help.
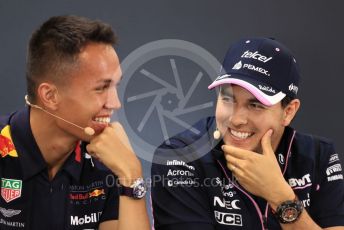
(9, 212)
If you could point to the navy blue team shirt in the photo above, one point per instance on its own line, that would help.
(193, 189)
(81, 195)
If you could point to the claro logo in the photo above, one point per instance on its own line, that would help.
(86, 219)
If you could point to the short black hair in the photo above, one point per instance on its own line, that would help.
(285, 101)
(55, 45)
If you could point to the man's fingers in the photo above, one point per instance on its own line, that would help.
(116, 125)
(233, 161)
(231, 167)
(230, 159)
(266, 143)
(90, 150)
(236, 152)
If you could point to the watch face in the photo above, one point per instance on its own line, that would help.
(139, 191)
(289, 211)
(290, 214)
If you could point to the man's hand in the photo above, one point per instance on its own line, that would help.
(259, 174)
(113, 149)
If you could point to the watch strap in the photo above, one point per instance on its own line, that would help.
(137, 190)
(125, 191)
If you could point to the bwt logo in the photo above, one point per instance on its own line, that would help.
(304, 181)
(333, 169)
(86, 219)
(228, 218)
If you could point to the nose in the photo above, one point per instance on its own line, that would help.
(112, 100)
(238, 116)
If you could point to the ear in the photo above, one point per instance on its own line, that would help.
(290, 110)
(48, 95)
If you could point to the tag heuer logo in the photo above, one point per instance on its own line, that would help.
(10, 189)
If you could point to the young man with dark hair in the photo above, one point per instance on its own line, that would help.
(262, 174)
(61, 158)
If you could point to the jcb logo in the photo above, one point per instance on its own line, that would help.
(228, 218)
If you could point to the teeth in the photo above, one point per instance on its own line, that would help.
(104, 120)
(240, 135)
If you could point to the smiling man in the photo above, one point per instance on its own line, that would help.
(63, 165)
(262, 174)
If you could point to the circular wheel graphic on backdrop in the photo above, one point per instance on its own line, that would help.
(164, 91)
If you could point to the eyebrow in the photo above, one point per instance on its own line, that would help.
(225, 92)
(254, 100)
(106, 81)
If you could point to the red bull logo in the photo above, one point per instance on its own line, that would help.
(6, 144)
(96, 193)
(78, 196)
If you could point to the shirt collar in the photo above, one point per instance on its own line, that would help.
(283, 146)
(30, 157)
(74, 163)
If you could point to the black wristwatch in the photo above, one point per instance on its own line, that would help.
(289, 211)
(137, 190)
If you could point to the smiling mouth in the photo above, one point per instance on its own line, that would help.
(102, 120)
(241, 135)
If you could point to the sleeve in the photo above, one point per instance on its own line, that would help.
(327, 204)
(179, 200)
(111, 207)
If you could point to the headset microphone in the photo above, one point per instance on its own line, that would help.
(217, 134)
(88, 130)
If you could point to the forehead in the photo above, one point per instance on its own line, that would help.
(98, 62)
(236, 91)
(242, 95)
